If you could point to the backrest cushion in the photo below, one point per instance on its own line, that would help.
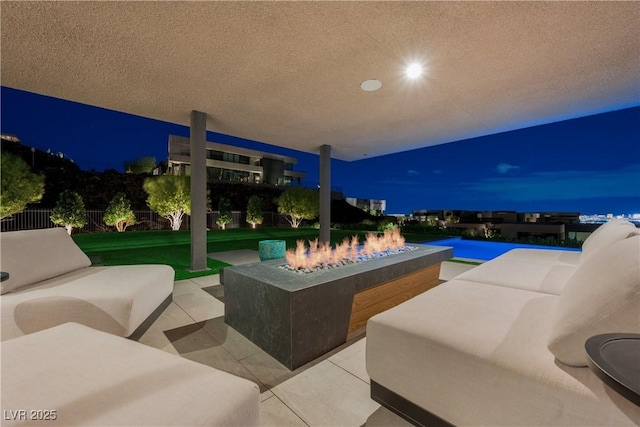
(606, 234)
(34, 255)
(602, 296)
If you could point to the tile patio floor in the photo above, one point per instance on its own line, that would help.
(330, 391)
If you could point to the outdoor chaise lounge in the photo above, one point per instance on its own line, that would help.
(504, 343)
(51, 282)
(72, 375)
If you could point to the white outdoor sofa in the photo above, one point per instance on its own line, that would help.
(65, 361)
(51, 282)
(503, 343)
(71, 375)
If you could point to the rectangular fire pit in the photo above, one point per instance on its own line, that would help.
(298, 317)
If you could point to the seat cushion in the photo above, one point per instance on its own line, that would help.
(476, 354)
(603, 296)
(519, 273)
(606, 234)
(113, 299)
(548, 256)
(34, 255)
(92, 378)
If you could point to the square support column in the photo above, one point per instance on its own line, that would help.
(325, 193)
(198, 140)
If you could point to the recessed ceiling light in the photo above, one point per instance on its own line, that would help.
(414, 70)
(371, 85)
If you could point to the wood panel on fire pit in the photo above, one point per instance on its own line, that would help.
(369, 302)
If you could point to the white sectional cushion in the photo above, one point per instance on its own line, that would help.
(475, 354)
(35, 255)
(603, 296)
(549, 256)
(113, 299)
(90, 378)
(518, 273)
(606, 234)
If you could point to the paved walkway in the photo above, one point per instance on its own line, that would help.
(330, 391)
(242, 256)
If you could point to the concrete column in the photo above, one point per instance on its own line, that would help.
(325, 193)
(198, 150)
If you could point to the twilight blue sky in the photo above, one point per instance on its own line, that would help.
(589, 165)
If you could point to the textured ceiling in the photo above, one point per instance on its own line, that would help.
(289, 73)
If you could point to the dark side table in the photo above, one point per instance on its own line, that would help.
(3, 276)
(615, 359)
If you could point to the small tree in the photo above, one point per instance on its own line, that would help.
(170, 196)
(143, 164)
(254, 211)
(19, 185)
(432, 220)
(224, 213)
(298, 203)
(452, 219)
(69, 211)
(119, 213)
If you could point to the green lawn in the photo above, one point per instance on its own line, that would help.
(173, 247)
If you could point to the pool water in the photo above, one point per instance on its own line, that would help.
(483, 250)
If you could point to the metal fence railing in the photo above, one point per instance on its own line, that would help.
(33, 219)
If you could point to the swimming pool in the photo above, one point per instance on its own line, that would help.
(483, 250)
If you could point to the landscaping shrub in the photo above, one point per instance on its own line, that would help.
(119, 213)
(69, 212)
(170, 196)
(19, 185)
(298, 203)
(224, 213)
(254, 211)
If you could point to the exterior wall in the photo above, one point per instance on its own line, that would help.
(378, 205)
(563, 217)
(519, 230)
(498, 216)
(580, 232)
(368, 205)
(229, 163)
(273, 171)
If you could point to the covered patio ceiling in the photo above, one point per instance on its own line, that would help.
(289, 73)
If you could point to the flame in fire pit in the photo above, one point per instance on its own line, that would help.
(347, 251)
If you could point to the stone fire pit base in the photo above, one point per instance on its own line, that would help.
(299, 317)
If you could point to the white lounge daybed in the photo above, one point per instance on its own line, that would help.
(503, 344)
(71, 375)
(51, 282)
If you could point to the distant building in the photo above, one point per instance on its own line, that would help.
(559, 225)
(373, 206)
(423, 214)
(10, 138)
(33, 156)
(550, 217)
(235, 164)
